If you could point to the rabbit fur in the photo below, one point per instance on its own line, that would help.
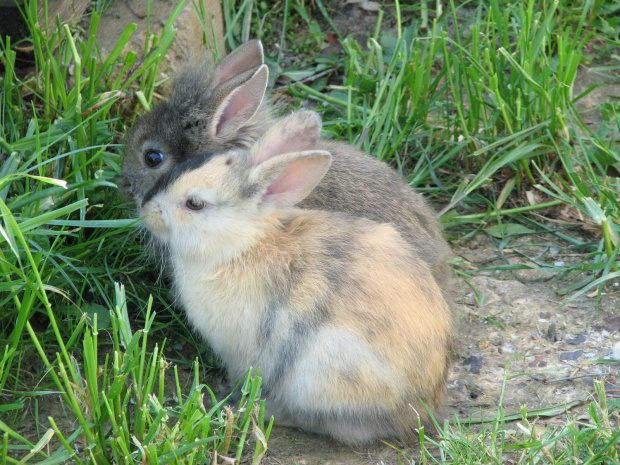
(344, 319)
(218, 108)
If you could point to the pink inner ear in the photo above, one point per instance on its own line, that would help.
(233, 106)
(289, 180)
(297, 132)
(296, 181)
(242, 103)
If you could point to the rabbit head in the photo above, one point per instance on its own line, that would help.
(217, 202)
(210, 109)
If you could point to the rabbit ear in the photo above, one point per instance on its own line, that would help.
(297, 132)
(245, 57)
(238, 99)
(288, 179)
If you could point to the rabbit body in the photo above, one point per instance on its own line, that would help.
(344, 319)
(345, 335)
(220, 108)
(363, 186)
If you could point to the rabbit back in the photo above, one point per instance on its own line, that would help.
(363, 186)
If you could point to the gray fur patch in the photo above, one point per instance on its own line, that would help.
(175, 173)
(303, 329)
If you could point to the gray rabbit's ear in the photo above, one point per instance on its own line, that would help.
(289, 178)
(244, 58)
(300, 131)
(237, 101)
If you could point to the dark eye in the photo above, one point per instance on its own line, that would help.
(153, 158)
(195, 204)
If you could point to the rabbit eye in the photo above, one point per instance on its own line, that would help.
(195, 204)
(153, 158)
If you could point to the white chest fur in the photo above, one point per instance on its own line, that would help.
(224, 308)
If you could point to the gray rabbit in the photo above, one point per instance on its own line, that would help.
(216, 108)
(349, 329)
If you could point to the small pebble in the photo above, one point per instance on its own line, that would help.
(615, 351)
(571, 356)
(508, 349)
(579, 339)
(475, 363)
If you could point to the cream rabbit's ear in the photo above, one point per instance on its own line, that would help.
(289, 178)
(244, 58)
(300, 131)
(238, 100)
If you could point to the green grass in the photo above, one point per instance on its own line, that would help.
(125, 411)
(63, 245)
(479, 113)
(474, 115)
(525, 439)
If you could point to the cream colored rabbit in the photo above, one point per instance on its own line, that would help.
(343, 317)
(218, 108)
